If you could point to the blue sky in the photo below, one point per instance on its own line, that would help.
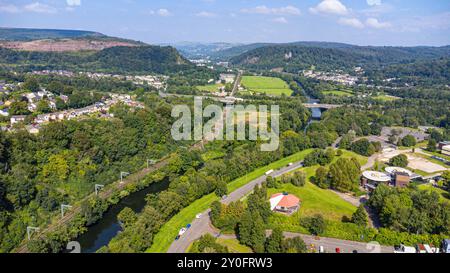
(363, 22)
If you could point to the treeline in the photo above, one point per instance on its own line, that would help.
(411, 210)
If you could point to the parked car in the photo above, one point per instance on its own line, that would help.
(182, 231)
(338, 250)
(321, 249)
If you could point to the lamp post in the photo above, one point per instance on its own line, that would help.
(122, 175)
(30, 230)
(64, 207)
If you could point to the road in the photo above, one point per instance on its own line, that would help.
(203, 225)
(236, 83)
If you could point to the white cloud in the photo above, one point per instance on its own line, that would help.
(73, 2)
(280, 20)
(8, 8)
(351, 22)
(164, 12)
(374, 23)
(288, 10)
(206, 14)
(373, 2)
(40, 8)
(330, 7)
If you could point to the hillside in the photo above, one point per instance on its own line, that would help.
(143, 59)
(329, 56)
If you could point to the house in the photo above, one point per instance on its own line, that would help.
(371, 179)
(442, 144)
(445, 150)
(17, 119)
(284, 203)
(401, 180)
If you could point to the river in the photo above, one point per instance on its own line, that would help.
(101, 233)
(316, 113)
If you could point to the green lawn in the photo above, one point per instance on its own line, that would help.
(385, 98)
(210, 87)
(314, 200)
(234, 246)
(212, 154)
(267, 85)
(166, 235)
(339, 93)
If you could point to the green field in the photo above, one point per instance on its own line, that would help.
(234, 246)
(268, 85)
(385, 98)
(166, 235)
(210, 87)
(314, 200)
(339, 93)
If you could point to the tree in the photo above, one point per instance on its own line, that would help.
(431, 146)
(294, 245)
(392, 139)
(221, 188)
(363, 147)
(400, 160)
(19, 108)
(43, 107)
(321, 178)
(207, 244)
(274, 241)
(408, 141)
(360, 216)
(344, 174)
(317, 224)
(251, 231)
(127, 217)
(298, 179)
(31, 84)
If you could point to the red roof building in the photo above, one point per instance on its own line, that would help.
(284, 202)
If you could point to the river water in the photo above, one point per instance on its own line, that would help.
(99, 234)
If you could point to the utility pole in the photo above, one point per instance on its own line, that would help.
(122, 175)
(64, 207)
(98, 187)
(30, 230)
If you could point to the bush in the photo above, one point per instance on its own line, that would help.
(399, 161)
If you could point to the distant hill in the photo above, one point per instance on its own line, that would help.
(55, 40)
(28, 34)
(142, 59)
(329, 56)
